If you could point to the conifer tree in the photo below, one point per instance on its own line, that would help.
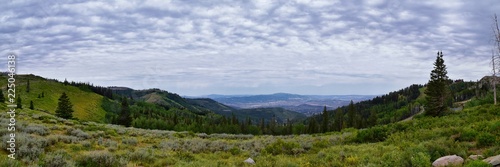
(125, 119)
(326, 120)
(312, 126)
(339, 119)
(437, 91)
(351, 115)
(372, 120)
(32, 107)
(64, 107)
(19, 102)
(2, 98)
(28, 86)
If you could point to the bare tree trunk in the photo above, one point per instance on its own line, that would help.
(494, 78)
(496, 33)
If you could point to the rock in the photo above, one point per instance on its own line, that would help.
(494, 160)
(250, 161)
(476, 157)
(448, 160)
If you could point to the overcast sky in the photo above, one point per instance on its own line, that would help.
(249, 47)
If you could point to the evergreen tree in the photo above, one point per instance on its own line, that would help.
(65, 82)
(28, 86)
(437, 89)
(324, 124)
(351, 115)
(64, 107)
(19, 102)
(372, 120)
(2, 98)
(339, 119)
(125, 119)
(32, 107)
(312, 126)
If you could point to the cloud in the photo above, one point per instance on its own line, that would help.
(194, 48)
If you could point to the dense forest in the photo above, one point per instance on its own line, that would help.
(157, 109)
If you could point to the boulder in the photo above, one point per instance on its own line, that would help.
(250, 161)
(448, 160)
(494, 160)
(476, 157)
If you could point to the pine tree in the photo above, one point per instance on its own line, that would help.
(2, 98)
(437, 91)
(125, 119)
(28, 86)
(312, 126)
(326, 120)
(64, 107)
(19, 102)
(351, 115)
(339, 119)
(32, 107)
(372, 120)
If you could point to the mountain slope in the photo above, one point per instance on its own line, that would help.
(86, 104)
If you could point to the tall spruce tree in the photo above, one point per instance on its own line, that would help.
(32, 107)
(19, 102)
(351, 115)
(2, 97)
(125, 119)
(339, 119)
(437, 92)
(64, 107)
(28, 86)
(326, 120)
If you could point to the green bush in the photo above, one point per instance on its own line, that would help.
(99, 159)
(374, 134)
(142, 155)
(485, 139)
(477, 163)
(282, 147)
(468, 135)
(57, 159)
(420, 160)
(235, 151)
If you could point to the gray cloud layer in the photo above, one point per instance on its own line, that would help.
(248, 47)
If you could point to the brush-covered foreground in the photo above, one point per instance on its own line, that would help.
(45, 140)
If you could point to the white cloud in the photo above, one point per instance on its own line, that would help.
(208, 47)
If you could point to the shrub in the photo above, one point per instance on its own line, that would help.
(29, 147)
(57, 159)
(129, 141)
(78, 133)
(468, 135)
(86, 144)
(235, 151)
(374, 134)
(185, 156)
(485, 139)
(420, 159)
(142, 155)
(282, 147)
(99, 159)
(5, 161)
(477, 163)
(36, 129)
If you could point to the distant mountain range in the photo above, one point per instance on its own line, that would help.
(306, 104)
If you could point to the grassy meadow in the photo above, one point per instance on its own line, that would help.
(46, 140)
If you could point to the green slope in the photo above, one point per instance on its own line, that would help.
(87, 105)
(418, 142)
